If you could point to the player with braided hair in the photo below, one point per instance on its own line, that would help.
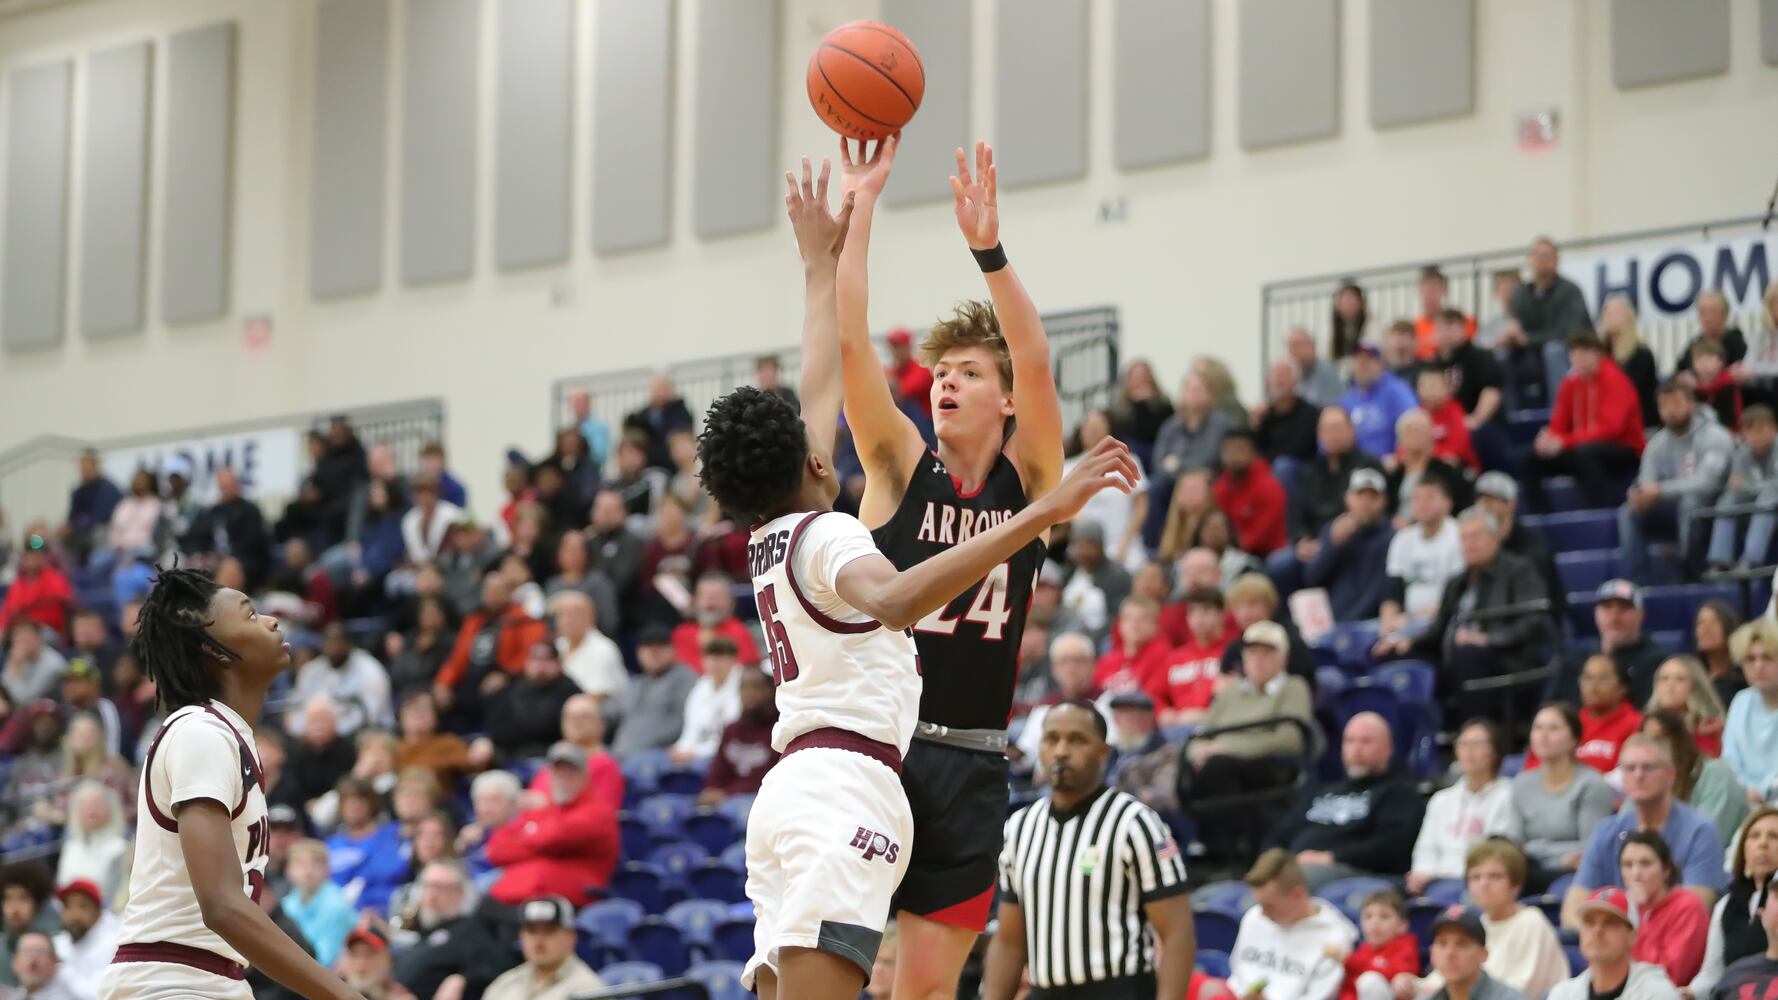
(829, 834)
(193, 920)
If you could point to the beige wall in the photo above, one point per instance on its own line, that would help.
(1185, 267)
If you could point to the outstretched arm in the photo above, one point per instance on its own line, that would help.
(819, 237)
(899, 599)
(1036, 445)
(888, 443)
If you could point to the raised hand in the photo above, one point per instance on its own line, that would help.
(975, 198)
(819, 233)
(1107, 466)
(867, 170)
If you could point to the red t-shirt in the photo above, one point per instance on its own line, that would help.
(1450, 435)
(1119, 671)
(1187, 679)
(1672, 934)
(914, 381)
(690, 650)
(1601, 737)
(1391, 958)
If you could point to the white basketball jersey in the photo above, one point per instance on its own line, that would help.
(833, 665)
(201, 752)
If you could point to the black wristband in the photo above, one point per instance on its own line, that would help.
(991, 259)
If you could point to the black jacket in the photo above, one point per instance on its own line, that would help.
(1528, 544)
(1470, 370)
(1734, 347)
(1550, 315)
(1321, 495)
(1640, 367)
(463, 946)
(1369, 823)
(311, 773)
(233, 528)
(1516, 641)
(1288, 433)
(1640, 660)
(524, 718)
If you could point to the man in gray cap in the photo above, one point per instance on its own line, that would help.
(1353, 549)
(650, 713)
(1618, 614)
(551, 970)
(1498, 494)
(1459, 948)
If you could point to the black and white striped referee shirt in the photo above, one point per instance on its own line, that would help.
(1082, 878)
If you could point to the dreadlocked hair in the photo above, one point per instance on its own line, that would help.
(752, 451)
(173, 639)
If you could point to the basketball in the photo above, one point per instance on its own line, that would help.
(865, 80)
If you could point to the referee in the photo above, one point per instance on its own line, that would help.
(1101, 878)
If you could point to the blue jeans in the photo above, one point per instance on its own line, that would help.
(1760, 528)
(1668, 517)
(1555, 365)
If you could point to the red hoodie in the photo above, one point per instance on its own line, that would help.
(1724, 396)
(1120, 671)
(1450, 435)
(1397, 955)
(1187, 679)
(43, 598)
(1601, 409)
(562, 849)
(1255, 503)
(1601, 737)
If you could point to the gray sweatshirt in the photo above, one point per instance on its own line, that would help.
(1560, 824)
(1752, 477)
(651, 711)
(1692, 461)
(1646, 982)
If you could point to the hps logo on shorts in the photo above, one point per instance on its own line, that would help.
(875, 845)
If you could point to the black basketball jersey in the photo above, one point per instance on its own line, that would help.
(969, 651)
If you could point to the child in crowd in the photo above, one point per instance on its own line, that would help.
(1716, 386)
(1184, 686)
(317, 906)
(1450, 429)
(1389, 949)
(1753, 477)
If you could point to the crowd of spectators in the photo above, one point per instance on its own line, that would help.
(445, 764)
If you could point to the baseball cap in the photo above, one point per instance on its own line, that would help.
(1136, 698)
(655, 635)
(368, 935)
(282, 815)
(1088, 531)
(84, 886)
(1367, 479)
(1369, 350)
(81, 668)
(900, 335)
(552, 910)
(1498, 485)
(564, 752)
(1609, 899)
(1267, 633)
(1467, 919)
(1620, 590)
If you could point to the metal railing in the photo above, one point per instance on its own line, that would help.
(1083, 354)
(1392, 291)
(36, 475)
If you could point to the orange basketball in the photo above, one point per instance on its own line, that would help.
(865, 80)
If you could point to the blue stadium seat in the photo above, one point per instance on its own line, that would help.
(742, 910)
(1421, 914)
(687, 780)
(677, 858)
(609, 920)
(525, 770)
(697, 920)
(715, 880)
(595, 954)
(1562, 493)
(1559, 887)
(733, 939)
(1214, 962)
(735, 856)
(1353, 642)
(1369, 697)
(645, 767)
(1329, 681)
(1413, 681)
(665, 815)
(630, 973)
(711, 830)
(1232, 897)
(1348, 894)
(1587, 569)
(1576, 961)
(643, 883)
(1675, 640)
(736, 808)
(633, 834)
(1672, 608)
(1524, 424)
(1445, 891)
(722, 979)
(1550, 904)
(658, 942)
(1576, 530)
(1216, 929)
(1512, 765)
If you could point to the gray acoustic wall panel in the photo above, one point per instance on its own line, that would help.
(351, 98)
(1654, 41)
(1288, 70)
(533, 134)
(1040, 84)
(1160, 63)
(632, 124)
(737, 180)
(114, 190)
(438, 140)
(1768, 31)
(1422, 56)
(195, 244)
(940, 31)
(36, 235)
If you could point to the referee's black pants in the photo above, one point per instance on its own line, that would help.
(1230, 833)
(1140, 987)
